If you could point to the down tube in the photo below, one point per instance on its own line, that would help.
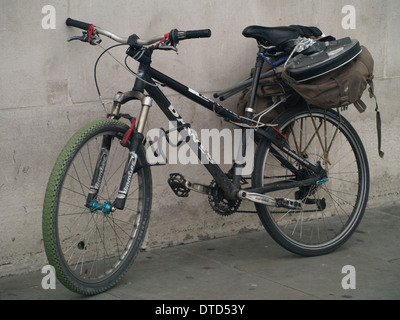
(197, 97)
(220, 177)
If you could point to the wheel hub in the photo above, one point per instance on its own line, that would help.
(106, 208)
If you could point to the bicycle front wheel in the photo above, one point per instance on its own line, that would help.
(91, 249)
(331, 211)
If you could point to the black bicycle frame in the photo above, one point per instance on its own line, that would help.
(230, 190)
(229, 187)
(220, 177)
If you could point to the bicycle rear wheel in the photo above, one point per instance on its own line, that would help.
(330, 211)
(91, 249)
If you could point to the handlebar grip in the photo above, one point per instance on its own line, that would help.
(176, 36)
(77, 24)
(191, 34)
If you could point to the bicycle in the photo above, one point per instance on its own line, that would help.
(97, 205)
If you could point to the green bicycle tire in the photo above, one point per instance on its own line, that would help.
(55, 197)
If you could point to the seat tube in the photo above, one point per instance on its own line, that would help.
(249, 111)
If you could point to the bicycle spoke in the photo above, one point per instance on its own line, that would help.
(95, 245)
(328, 209)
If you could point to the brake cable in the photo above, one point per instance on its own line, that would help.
(126, 67)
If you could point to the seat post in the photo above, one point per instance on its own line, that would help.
(249, 111)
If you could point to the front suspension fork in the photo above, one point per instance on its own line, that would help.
(135, 138)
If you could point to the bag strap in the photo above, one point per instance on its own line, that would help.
(379, 129)
(378, 115)
(372, 95)
(360, 105)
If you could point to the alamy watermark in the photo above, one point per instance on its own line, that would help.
(226, 147)
(49, 20)
(349, 20)
(349, 280)
(49, 280)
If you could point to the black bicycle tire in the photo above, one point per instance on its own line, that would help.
(264, 213)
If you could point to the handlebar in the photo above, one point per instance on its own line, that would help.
(77, 24)
(174, 36)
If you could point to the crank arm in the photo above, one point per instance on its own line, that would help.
(201, 188)
(270, 201)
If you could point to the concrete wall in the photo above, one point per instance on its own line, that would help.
(47, 92)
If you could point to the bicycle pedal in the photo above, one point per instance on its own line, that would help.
(178, 185)
(320, 203)
(288, 203)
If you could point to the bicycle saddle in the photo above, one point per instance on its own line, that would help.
(274, 36)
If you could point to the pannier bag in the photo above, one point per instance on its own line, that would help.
(338, 88)
(330, 74)
(341, 87)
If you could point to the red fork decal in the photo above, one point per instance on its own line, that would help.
(128, 133)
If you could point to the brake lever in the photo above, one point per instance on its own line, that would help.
(165, 46)
(94, 39)
(81, 38)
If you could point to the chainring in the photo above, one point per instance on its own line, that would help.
(218, 202)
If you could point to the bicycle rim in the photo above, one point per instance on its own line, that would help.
(91, 250)
(330, 212)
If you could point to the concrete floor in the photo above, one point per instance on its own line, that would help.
(250, 266)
